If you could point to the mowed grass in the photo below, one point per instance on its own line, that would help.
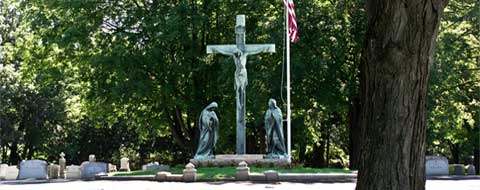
(230, 172)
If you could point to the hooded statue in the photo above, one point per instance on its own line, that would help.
(208, 126)
(274, 131)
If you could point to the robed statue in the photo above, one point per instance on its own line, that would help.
(208, 126)
(274, 131)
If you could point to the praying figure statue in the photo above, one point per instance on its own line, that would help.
(208, 126)
(274, 132)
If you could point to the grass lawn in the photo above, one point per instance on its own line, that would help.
(230, 172)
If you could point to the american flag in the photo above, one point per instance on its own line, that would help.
(292, 20)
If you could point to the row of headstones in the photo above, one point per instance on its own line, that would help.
(438, 165)
(38, 169)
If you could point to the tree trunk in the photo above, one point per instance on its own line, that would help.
(354, 133)
(396, 60)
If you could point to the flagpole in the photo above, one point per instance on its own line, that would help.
(289, 141)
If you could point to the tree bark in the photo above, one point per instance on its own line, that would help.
(396, 60)
(354, 133)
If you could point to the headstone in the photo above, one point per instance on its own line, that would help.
(90, 169)
(73, 172)
(112, 167)
(3, 171)
(91, 158)
(12, 173)
(190, 173)
(242, 171)
(33, 169)
(62, 162)
(436, 165)
(53, 171)
(124, 165)
(458, 169)
(155, 167)
(470, 169)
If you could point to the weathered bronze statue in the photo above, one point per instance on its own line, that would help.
(274, 131)
(208, 126)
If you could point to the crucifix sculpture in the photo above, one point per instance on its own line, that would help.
(239, 52)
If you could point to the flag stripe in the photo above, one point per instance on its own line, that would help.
(292, 20)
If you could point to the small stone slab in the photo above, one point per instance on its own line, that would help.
(12, 173)
(90, 169)
(162, 176)
(436, 165)
(271, 176)
(33, 169)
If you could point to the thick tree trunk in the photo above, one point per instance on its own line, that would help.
(396, 60)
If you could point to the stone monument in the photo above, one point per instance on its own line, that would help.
(3, 171)
(208, 126)
(12, 173)
(239, 53)
(33, 169)
(90, 169)
(436, 165)
(73, 172)
(124, 164)
(62, 162)
(274, 132)
(53, 171)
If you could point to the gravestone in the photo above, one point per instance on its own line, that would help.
(33, 169)
(3, 171)
(90, 169)
(73, 172)
(436, 165)
(470, 169)
(112, 167)
(124, 165)
(53, 171)
(12, 173)
(155, 167)
(458, 169)
(62, 162)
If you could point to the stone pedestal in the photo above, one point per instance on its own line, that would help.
(271, 176)
(234, 160)
(62, 162)
(242, 171)
(162, 176)
(189, 173)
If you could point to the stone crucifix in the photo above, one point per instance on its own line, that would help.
(239, 52)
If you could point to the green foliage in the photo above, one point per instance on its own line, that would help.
(219, 173)
(129, 78)
(454, 94)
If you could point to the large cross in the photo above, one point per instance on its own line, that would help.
(239, 52)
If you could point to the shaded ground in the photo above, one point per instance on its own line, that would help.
(147, 185)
